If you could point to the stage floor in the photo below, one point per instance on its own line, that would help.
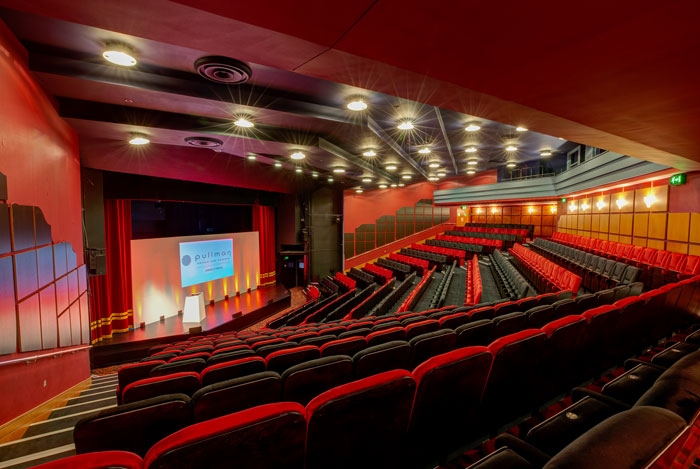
(254, 307)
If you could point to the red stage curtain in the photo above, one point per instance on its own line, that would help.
(264, 224)
(110, 300)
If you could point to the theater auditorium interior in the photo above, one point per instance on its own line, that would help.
(366, 234)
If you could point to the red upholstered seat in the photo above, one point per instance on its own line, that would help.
(265, 437)
(386, 335)
(99, 460)
(346, 346)
(304, 381)
(282, 359)
(127, 374)
(230, 370)
(360, 424)
(185, 383)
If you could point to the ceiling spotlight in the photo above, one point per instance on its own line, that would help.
(251, 157)
(244, 122)
(521, 129)
(390, 167)
(297, 155)
(472, 127)
(434, 164)
(382, 186)
(511, 148)
(119, 54)
(546, 153)
(470, 172)
(139, 139)
(314, 174)
(298, 170)
(369, 152)
(511, 164)
(339, 170)
(278, 164)
(424, 151)
(401, 184)
(441, 174)
(366, 180)
(357, 103)
(433, 178)
(405, 124)
(471, 149)
(472, 162)
(394, 186)
(406, 176)
(330, 178)
(359, 190)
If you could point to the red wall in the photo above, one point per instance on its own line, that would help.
(370, 205)
(685, 198)
(39, 156)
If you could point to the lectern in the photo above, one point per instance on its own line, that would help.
(194, 312)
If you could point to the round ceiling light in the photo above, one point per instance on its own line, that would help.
(297, 155)
(243, 122)
(394, 186)
(359, 190)
(472, 162)
(471, 149)
(470, 172)
(405, 124)
(278, 164)
(314, 174)
(521, 129)
(369, 152)
(406, 177)
(204, 142)
(511, 148)
(139, 139)
(434, 164)
(339, 170)
(298, 170)
(357, 103)
(401, 184)
(330, 178)
(391, 167)
(433, 178)
(382, 186)
(546, 153)
(472, 127)
(366, 180)
(441, 174)
(119, 54)
(511, 164)
(424, 151)
(223, 70)
(252, 157)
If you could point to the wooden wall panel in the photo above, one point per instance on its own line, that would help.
(639, 241)
(625, 239)
(626, 221)
(694, 249)
(657, 225)
(677, 247)
(614, 223)
(641, 224)
(678, 227)
(656, 244)
(595, 222)
(695, 228)
(605, 223)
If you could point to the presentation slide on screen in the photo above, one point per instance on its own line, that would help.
(204, 261)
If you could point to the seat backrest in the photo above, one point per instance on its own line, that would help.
(539, 315)
(475, 333)
(303, 382)
(133, 427)
(430, 344)
(230, 356)
(242, 438)
(280, 360)
(386, 335)
(127, 374)
(454, 320)
(174, 383)
(266, 350)
(422, 327)
(235, 395)
(383, 357)
(360, 424)
(229, 370)
(448, 398)
(98, 460)
(345, 346)
(192, 364)
(509, 323)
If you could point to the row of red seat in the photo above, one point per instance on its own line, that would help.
(386, 274)
(349, 283)
(423, 264)
(449, 252)
(482, 229)
(674, 265)
(553, 276)
(418, 290)
(474, 286)
(488, 242)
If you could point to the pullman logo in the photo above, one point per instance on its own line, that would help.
(186, 260)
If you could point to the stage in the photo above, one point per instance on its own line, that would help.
(232, 314)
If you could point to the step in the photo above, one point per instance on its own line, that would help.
(105, 378)
(92, 405)
(40, 457)
(98, 389)
(91, 397)
(59, 423)
(35, 444)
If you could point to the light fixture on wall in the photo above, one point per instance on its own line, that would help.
(553, 209)
(585, 206)
(620, 202)
(572, 206)
(494, 210)
(649, 199)
(478, 210)
(600, 204)
(530, 210)
(119, 53)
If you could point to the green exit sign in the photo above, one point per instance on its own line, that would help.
(678, 179)
(463, 207)
(563, 200)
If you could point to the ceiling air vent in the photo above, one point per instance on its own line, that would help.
(223, 70)
(204, 142)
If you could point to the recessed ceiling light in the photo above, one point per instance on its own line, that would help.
(511, 148)
(441, 174)
(297, 155)
(278, 164)
(314, 174)
(472, 127)
(521, 129)
(298, 170)
(433, 178)
(119, 54)
(405, 124)
(139, 139)
(243, 122)
(339, 170)
(357, 103)
(382, 186)
(424, 151)
(470, 172)
(369, 152)
(546, 153)
(471, 149)
(401, 184)
(390, 167)
(434, 164)
(394, 186)
(406, 176)
(366, 180)
(251, 157)
(359, 190)
(472, 162)
(511, 164)
(330, 178)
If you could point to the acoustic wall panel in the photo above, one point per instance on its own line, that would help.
(62, 299)
(42, 229)
(49, 324)
(641, 224)
(656, 244)
(626, 220)
(679, 226)
(75, 329)
(677, 247)
(45, 265)
(22, 227)
(82, 279)
(29, 324)
(84, 319)
(59, 259)
(26, 276)
(64, 331)
(8, 314)
(657, 225)
(73, 291)
(5, 241)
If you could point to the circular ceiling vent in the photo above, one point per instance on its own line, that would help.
(204, 142)
(223, 70)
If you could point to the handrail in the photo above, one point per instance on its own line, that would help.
(55, 354)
